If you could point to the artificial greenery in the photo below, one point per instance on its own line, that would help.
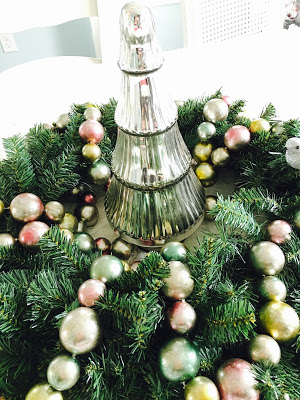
(38, 288)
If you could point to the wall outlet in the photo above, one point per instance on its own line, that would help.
(8, 42)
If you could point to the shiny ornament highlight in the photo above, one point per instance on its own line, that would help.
(260, 124)
(69, 222)
(174, 251)
(62, 121)
(88, 214)
(220, 157)
(267, 258)
(272, 288)
(91, 131)
(26, 207)
(179, 284)
(122, 249)
(236, 381)
(43, 391)
(99, 172)
(210, 204)
(103, 244)
(181, 317)
(292, 154)
(84, 241)
(279, 320)
(279, 231)
(202, 152)
(91, 152)
(106, 268)
(54, 211)
(31, 233)
(206, 174)
(201, 388)
(237, 137)
(80, 331)
(215, 110)
(179, 360)
(206, 131)
(7, 240)
(264, 348)
(90, 291)
(92, 113)
(63, 372)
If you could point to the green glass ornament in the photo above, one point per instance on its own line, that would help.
(99, 172)
(54, 211)
(6, 240)
(69, 222)
(174, 251)
(201, 388)
(43, 391)
(272, 288)
(264, 348)
(122, 249)
(179, 359)
(267, 258)
(88, 214)
(63, 372)
(84, 241)
(179, 284)
(106, 268)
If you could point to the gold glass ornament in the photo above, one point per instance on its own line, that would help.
(91, 152)
(210, 203)
(54, 211)
(272, 288)
(267, 258)
(260, 124)
(279, 320)
(215, 110)
(88, 214)
(68, 234)
(43, 391)
(69, 222)
(2, 207)
(6, 240)
(206, 174)
(202, 388)
(220, 157)
(202, 152)
(264, 348)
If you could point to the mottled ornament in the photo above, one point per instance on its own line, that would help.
(267, 258)
(292, 154)
(220, 157)
(62, 121)
(99, 172)
(84, 241)
(264, 348)
(122, 249)
(91, 131)
(26, 207)
(88, 214)
(103, 244)
(63, 372)
(179, 360)
(106, 268)
(69, 235)
(174, 251)
(215, 110)
(210, 204)
(92, 113)
(206, 131)
(88, 197)
(54, 211)
(237, 137)
(206, 174)
(80, 331)
(179, 284)
(201, 388)
(69, 222)
(90, 291)
(43, 391)
(279, 231)
(91, 152)
(181, 317)
(279, 320)
(236, 381)
(272, 288)
(202, 152)
(260, 124)
(6, 240)
(31, 233)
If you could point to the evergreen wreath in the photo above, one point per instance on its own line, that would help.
(38, 288)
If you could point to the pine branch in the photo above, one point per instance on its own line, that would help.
(258, 199)
(269, 112)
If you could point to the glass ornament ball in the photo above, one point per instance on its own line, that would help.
(90, 291)
(206, 131)
(296, 220)
(103, 245)
(179, 284)
(43, 391)
(235, 380)
(91, 152)
(279, 320)
(54, 211)
(227, 99)
(31, 233)
(279, 231)
(99, 172)
(265, 349)
(174, 251)
(215, 110)
(181, 317)
(69, 222)
(26, 207)
(84, 241)
(88, 197)
(202, 152)
(210, 204)
(80, 331)
(63, 372)
(237, 137)
(207, 174)
(220, 157)
(88, 214)
(2, 207)
(69, 235)
(106, 268)
(92, 113)
(122, 249)
(278, 128)
(260, 124)
(62, 121)
(272, 288)
(201, 388)
(267, 258)
(91, 131)
(179, 359)
(6, 240)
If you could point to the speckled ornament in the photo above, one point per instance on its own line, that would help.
(103, 244)
(260, 124)
(279, 231)
(267, 258)
(92, 113)
(202, 152)
(206, 131)
(91, 152)
(174, 251)
(201, 388)
(122, 249)
(84, 241)
(69, 222)
(237, 137)
(215, 110)
(31, 233)
(91, 131)
(179, 284)
(6, 240)
(26, 207)
(88, 214)
(181, 317)
(43, 391)
(272, 288)
(63, 372)
(54, 211)
(206, 174)
(264, 348)
(99, 172)
(90, 291)
(220, 157)
(106, 268)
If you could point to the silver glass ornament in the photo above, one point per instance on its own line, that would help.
(215, 110)
(63, 372)
(154, 195)
(206, 131)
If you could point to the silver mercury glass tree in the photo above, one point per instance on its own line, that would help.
(154, 195)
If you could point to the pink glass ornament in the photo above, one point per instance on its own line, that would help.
(181, 317)
(26, 207)
(279, 231)
(32, 232)
(88, 198)
(103, 244)
(90, 291)
(91, 131)
(237, 137)
(227, 99)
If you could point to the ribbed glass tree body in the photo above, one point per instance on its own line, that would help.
(154, 195)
